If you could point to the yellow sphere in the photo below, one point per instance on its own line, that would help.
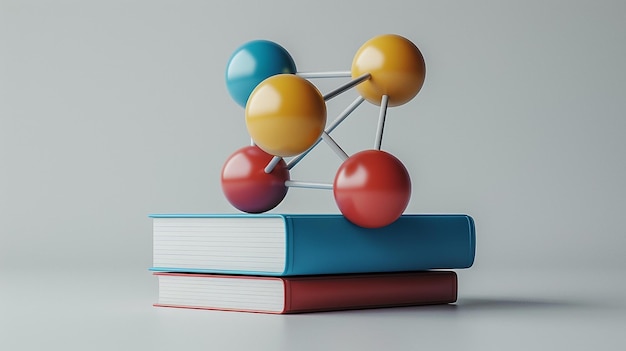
(396, 66)
(285, 115)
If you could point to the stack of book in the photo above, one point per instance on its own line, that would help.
(294, 263)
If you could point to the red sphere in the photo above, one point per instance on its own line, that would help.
(372, 188)
(246, 185)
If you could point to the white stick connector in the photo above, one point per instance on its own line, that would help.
(381, 121)
(310, 185)
(334, 146)
(358, 101)
(347, 86)
(273, 162)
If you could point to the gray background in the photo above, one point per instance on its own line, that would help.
(111, 110)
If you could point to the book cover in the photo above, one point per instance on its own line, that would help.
(305, 244)
(305, 293)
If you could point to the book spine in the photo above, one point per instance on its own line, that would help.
(384, 290)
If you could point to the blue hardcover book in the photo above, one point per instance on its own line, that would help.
(309, 244)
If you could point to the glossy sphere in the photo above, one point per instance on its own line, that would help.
(246, 185)
(285, 115)
(372, 188)
(396, 66)
(252, 63)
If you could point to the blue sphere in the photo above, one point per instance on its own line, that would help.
(251, 64)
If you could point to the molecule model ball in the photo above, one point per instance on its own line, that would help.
(246, 185)
(396, 68)
(252, 63)
(285, 115)
(372, 188)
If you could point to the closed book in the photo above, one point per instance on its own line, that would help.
(309, 244)
(305, 293)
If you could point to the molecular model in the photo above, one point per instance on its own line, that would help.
(285, 116)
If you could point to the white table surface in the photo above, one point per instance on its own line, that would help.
(498, 310)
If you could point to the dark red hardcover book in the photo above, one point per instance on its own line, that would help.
(305, 293)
